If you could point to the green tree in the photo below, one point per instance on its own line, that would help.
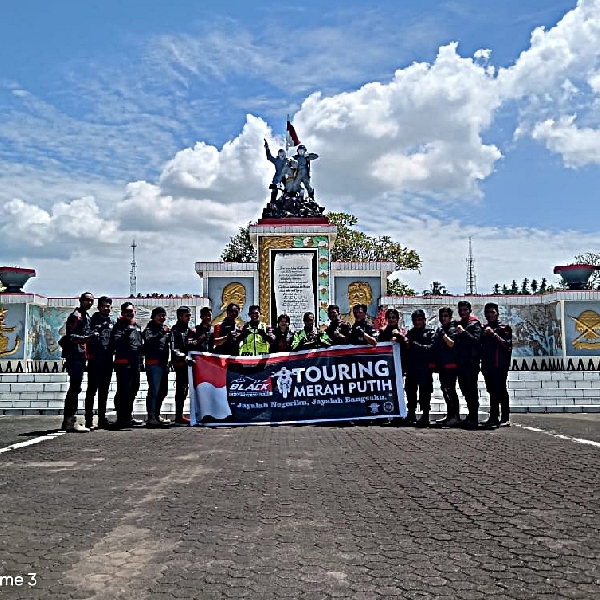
(514, 288)
(525, 286)
(395, 287)
(496, 290)
(239, 248)
(543, 286)
(504, 290)
(534, 286)
(350, 245)
(590, 258)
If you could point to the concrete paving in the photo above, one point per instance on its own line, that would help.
(302, 512)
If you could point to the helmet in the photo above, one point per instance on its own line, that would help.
(302, 147)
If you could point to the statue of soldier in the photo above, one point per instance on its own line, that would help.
(303, 172)
(281, 166)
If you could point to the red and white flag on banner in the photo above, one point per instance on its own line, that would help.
(209, 377)
(292, 136)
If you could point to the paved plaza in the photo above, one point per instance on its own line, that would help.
(302, 512)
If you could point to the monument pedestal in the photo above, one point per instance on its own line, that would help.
(294, 267)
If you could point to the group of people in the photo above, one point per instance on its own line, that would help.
(457, 350)
(106, 345)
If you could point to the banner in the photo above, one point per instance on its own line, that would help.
(329, 384)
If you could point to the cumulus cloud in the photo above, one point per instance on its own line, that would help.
(424, 132)
(578, 146)
(420, 132)
(229, 175)
(556, 81)
(29, 230)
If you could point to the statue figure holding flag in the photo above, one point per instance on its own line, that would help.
(291, 176)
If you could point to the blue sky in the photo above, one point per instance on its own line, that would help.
(145, 119)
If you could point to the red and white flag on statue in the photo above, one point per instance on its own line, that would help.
(292, 136)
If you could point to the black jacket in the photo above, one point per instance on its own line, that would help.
(419, 352)
(202, 338)
(283, 341)
(443, 356)
(126, 342)
(181, 336)
(496, 349)
(98, 346)
(468, 342)
(78, 328)
(342, 327)
(232, 344)
(357, 333)
(156, 344)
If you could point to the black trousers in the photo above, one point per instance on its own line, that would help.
(420, 383)
(467, 381)
(181, 389)
(495, 383)
(128, 385)
(99, 376)
(448, 379)
(75, 366)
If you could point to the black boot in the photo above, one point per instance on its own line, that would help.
(423, 420)
(411, 417)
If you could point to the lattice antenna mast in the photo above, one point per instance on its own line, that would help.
(132, 272)
(471, 287)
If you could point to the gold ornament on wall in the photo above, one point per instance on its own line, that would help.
(266, 244)
(587, 324)
(4, 341)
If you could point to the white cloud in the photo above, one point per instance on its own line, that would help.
(578, 146)
(30, 231)
(557, 77)
(421, 132)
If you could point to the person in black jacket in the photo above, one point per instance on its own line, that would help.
(418, 372)
(126, 342)
(100, 365)
(74, 350)
(362, 333)
(467, 343)
(227, 333)
(203, 338)
(284, 336)
(446, 364)
(338, 330)
(156, 347)
(184, 339)
(496, 349)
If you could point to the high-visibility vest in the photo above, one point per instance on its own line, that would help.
(254, 344)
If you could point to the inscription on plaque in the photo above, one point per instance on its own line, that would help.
(294, 286)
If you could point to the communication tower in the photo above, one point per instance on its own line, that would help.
(132, 272)
(471, 287)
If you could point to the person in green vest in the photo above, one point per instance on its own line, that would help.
(309, 337)
(256, 337)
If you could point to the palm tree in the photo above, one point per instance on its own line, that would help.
(436, 289)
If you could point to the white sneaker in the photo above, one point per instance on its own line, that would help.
(74, 427)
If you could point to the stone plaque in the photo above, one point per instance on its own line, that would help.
(293, 285)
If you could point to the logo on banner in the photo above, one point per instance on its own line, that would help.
(284, 381)
(251, 386)
(374, 408)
